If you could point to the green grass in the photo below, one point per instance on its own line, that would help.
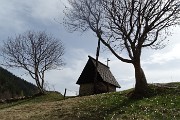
(113, 106)
(163, 103)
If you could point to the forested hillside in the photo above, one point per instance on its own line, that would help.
(12, 86)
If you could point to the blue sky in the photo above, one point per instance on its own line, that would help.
(18, 16)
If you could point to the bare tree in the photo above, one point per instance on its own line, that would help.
(35, 52)
(125, 26)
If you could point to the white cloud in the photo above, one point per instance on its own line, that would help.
(18, 16)
(46, 10)
(10, 21)
(163, 67)
(165, 57)
(159, 75)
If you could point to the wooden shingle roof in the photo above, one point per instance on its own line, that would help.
(104, 73)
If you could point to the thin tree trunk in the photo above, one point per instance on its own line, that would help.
(41, 90)
(141, 82)
(42, 84)
(38, 84)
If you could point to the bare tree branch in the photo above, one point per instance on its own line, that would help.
(35, 52)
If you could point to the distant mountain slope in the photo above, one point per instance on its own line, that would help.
(12, 86)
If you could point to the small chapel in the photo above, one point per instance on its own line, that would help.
(105, 82)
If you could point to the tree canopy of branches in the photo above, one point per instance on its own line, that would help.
(35, 52)
(125, 26)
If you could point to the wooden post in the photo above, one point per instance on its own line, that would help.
(96, 69)
(107, 61)
(65, 93)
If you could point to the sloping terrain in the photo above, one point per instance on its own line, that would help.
(12, 86)
(162, 104)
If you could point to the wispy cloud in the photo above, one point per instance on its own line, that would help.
(162, 58)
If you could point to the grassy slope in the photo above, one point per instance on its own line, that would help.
(163, 104)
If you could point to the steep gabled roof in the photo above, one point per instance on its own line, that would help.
(104, 73)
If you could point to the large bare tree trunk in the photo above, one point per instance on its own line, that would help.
(141, 83)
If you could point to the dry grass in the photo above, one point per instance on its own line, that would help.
(26, 111)
(36, 109)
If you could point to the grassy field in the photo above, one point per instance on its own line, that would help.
(162, 104)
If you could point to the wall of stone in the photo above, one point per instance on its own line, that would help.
(88, 89)
(105, 87)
